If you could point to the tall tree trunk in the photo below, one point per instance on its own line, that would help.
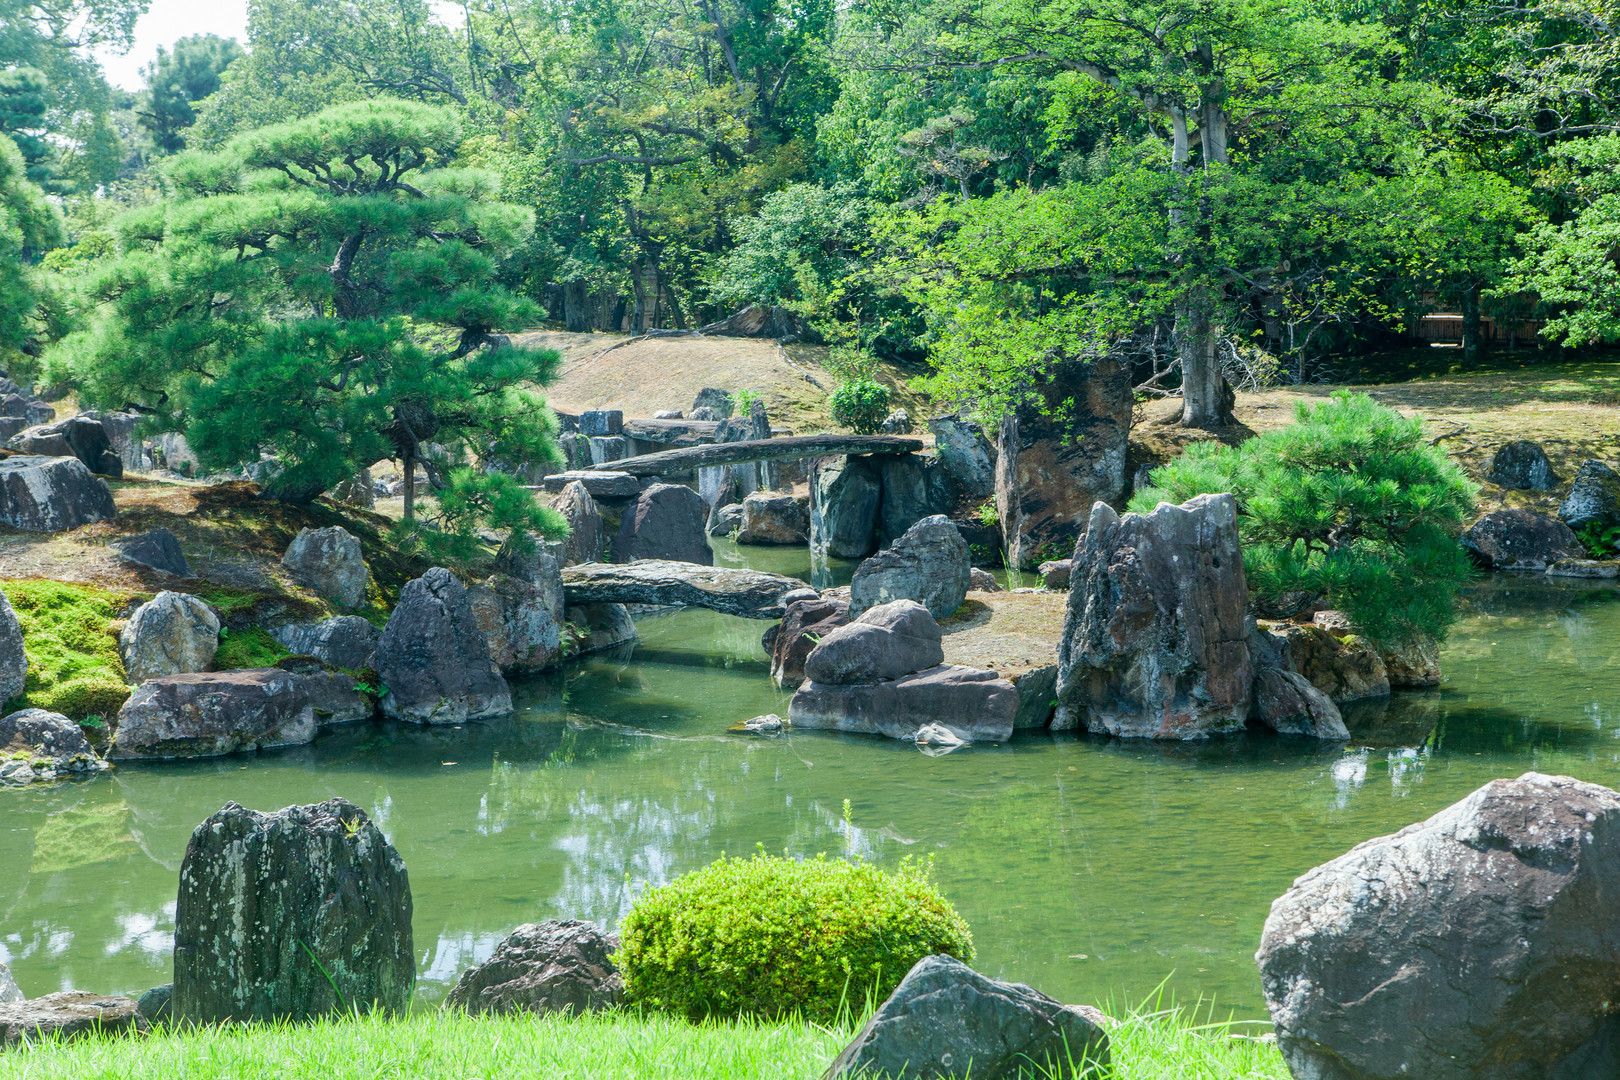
(409, 463)
(1471, 338)
(576, 310)
(1206, 398)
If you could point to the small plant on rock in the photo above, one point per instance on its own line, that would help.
(770, 937)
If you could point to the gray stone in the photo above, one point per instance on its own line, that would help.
(9, 993)
(666, 522)
(71, 1014)
(669, 414)
(756, 475)
(14, 405)
(561, 966)
(804, 625)
(770, 518)
(120, 430)
(334, 695)
(176, 455)
(434, 659)
(293, 915)
(1341, 664)
(897, 422)
(330, 562)
(13, 657)
(11, 425)
(725, 520)
(717, 401)
(1594, 497)
(1037, 698)
(1143, 478)
(357, 490)
(1585, 568)
(753, 594)
(601, 422)
(608, 448)
(586, 539)
(208, 714)
(982, 580)
(171, 634)
(51, 494)
(608, 486)
(944, 1018)
(938, 738)
(1414, 664)
(981, 705)
(1288, 704)
(929, 564)
(884, 642)
(1522, 464)
(844, 500)
(158, 549)
(769, 724)
(37, 412)
(82, 437)
(604, 626)
(1155, 642)
(53, 748)
(1055, 574)
(704, 413)
(156, 1004)
(964, 453)
(914, 488)
(344, 641)
(1520, 540)
(519, 621)
(1479, 944)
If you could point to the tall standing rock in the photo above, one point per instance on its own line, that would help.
(666, 522)
(1155, 643)
(586, 540)
(295, 915)
(517, 619)
(845, 495)
(171, 634)
(1054, 461)
(330, 562)
(930, 564)
(434, 659)
(1480, 944)
(13, 660)
(964, 453)
(914, 487)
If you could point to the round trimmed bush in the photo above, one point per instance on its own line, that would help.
(767, 936)
(860, 404)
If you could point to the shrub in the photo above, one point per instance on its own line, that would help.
(860, 404)
(70, 635)
(768, 937)
(1348, 505)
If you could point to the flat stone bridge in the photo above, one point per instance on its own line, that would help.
(753, 594)
(709, 455)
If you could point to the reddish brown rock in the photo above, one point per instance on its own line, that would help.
(801, 629)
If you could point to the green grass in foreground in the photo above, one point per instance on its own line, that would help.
(1171, 1045)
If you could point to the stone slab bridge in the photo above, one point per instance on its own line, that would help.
(753, 594)
(709, 455)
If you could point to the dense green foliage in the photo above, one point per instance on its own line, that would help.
(70, 636)
(772, 937)
(1349, 505)
(860, 404)
(176, 81)
(28, 225)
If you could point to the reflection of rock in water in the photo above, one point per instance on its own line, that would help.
(1534, 596)
(1402, 719)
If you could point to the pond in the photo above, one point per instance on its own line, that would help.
(1092, 869)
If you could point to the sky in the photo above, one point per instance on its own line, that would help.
(166, 22)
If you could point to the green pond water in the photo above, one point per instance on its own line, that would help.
(1092, 869)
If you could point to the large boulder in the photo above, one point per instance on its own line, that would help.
(345, 641)
(13, 658)
(82, 437)
(665, 522)
(434, 659)
(50, 494)
(964, 453)
(976, 705)
(120, 429)
(914, 488)
(1288, 704)
(518, 622)
(929, 564)
(1058, 456)
(70, 1014)
(38, 746)
(1594, 497)
(772, 518)
(945, 1018)
(845, 495)
(212, 713)
(170, 634)
(1480, 944)
(158, 549)
(1341, 664)
(558, 966)
(334, 695)
(1155, 642)
(330, 562)
(804, 625)
(293, 915)
(1520, 540)
(884, 642)
(1522, 464)
(586, 539)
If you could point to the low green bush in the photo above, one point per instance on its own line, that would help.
(771, 937)
(70, 636)
(860, 404)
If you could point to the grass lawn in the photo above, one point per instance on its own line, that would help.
(432, 1046)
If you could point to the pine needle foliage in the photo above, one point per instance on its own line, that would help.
(1349, 505)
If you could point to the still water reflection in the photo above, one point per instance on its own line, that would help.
(1086, 867)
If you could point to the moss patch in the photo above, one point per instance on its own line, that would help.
(250, 648)
(70, 634)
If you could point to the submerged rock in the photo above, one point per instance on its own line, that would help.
(929, 564)
(298, 914)
(37, 746)
(171, 634)
(944, 1018)
(51, 494)
(71, 1014)
(330, 562)
(1520, 540)
(207, 714)
(558, 966)
(434, 659)
(769, 724)
(1476, 945)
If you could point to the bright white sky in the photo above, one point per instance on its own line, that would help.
(166, 22)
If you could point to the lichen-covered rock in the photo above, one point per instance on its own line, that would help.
(212, 713)
(772, 518)
(170, 634)
(13, 658)
(334, 695)
(1594, 497)
(1520, 540)
(929, 564)
(434, 659)
(37, 746)
(805, 624)
(330, 562)
(9, 992)
(71, 1014)
(665, 522)
(345, 641)
(1585, 568)
(1155, 642)
(586, 539)
(884, 642)
(1412, 665)
(517, 620)
(897, 422)
(298, 914)
(944, 1018)
(914, 487)
(844, 500)
(158, 549)
(977, 705)
(82, 437)
(1522, 464)
(964, 453)
(51, 494)
(1344, 666)
(357, 490)
(559, 966)
(1479, 944)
